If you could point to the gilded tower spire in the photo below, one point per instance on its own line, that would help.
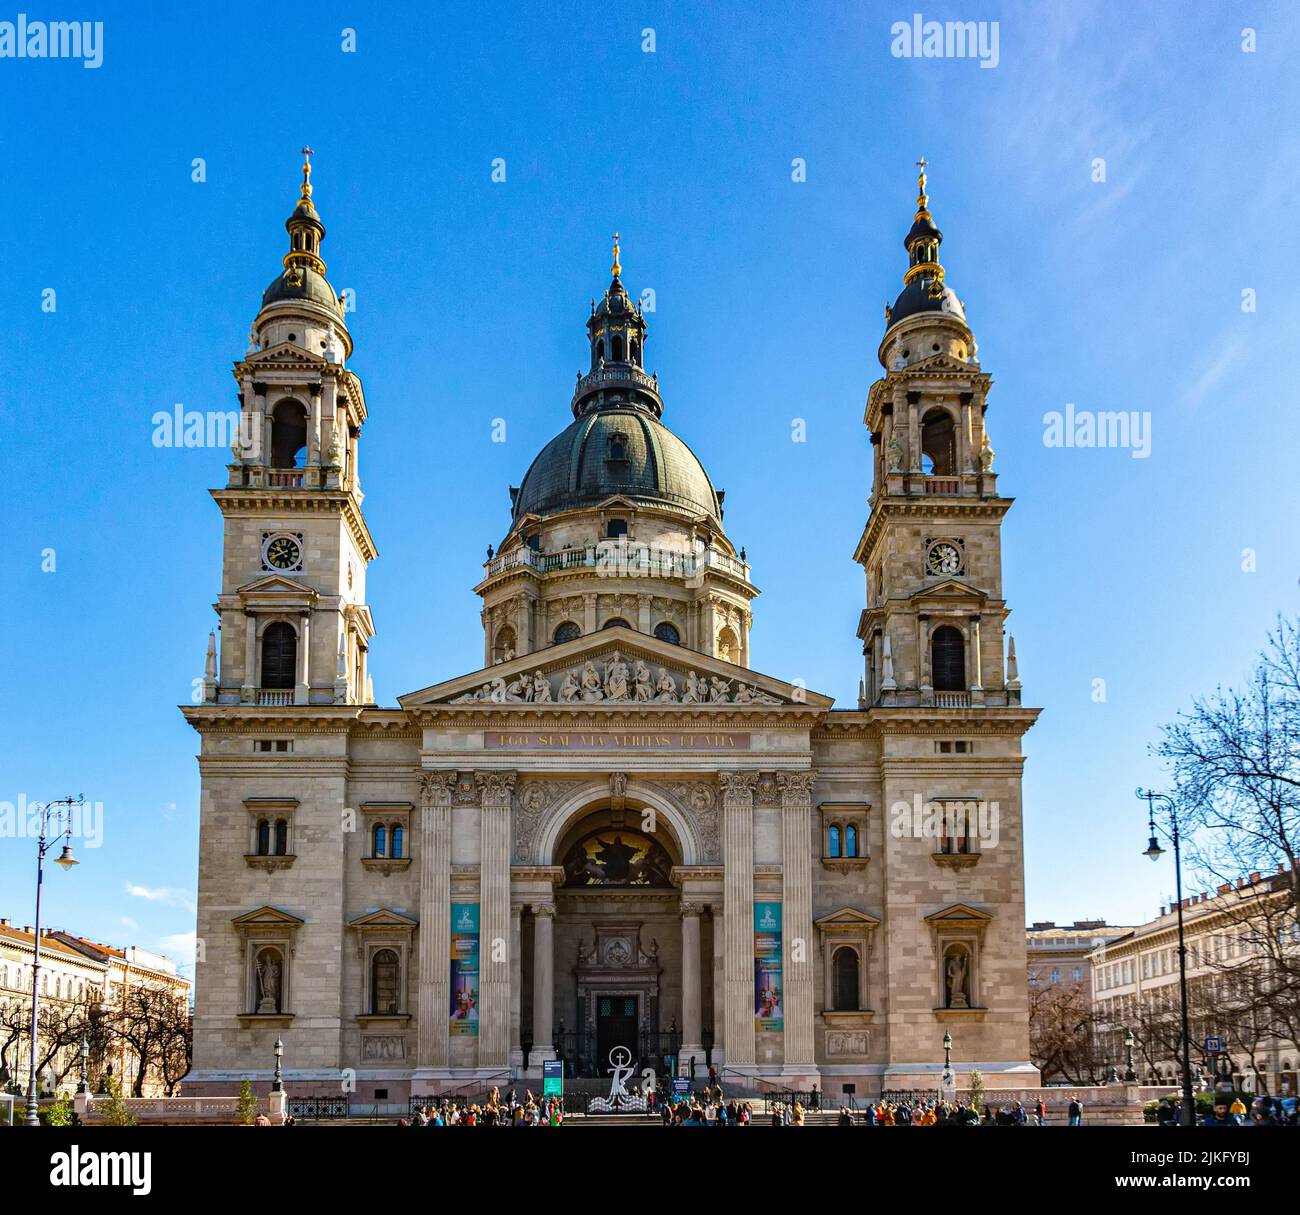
(304, 227)
(923, 240)
(616, 269)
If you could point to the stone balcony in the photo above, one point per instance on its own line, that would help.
(619, 558)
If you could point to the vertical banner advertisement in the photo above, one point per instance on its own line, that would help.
(768, 996)
(464, 969)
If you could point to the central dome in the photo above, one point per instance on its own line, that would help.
(617, 451)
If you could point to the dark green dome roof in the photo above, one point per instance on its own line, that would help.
(309, 286)
(916, 297)
(585, 464)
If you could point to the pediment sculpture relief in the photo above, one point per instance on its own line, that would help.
(617, 681)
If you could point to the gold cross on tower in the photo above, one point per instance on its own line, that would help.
(616, 268)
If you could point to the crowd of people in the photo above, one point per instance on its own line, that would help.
(493, 1110)
(1264, 1111)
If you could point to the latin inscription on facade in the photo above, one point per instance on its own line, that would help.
(614, 740)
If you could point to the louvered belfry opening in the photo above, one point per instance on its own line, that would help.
(948, 660)
(279, 656)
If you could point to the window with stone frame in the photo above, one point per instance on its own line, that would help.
(844, 834)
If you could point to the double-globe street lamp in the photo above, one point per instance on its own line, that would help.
(1187, 1112)
(66, 861)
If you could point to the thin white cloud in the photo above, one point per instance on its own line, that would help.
(161, 894)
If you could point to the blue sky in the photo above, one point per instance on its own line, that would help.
(471, 296)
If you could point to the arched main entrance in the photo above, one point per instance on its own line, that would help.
(617, 940)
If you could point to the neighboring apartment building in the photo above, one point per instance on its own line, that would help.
(1135, 986)
(1058, 955)
(76, 971)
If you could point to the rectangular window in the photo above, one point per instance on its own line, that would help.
(275, 744)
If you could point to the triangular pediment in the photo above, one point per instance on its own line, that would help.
(616, 667)
(941, 362)
(272, 584)
(265, 916)
(950, 588)
(958, 914)
(847, 917)
(282, 353)
(384, 917)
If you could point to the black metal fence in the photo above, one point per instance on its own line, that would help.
(909, 1096)
(318, 1109)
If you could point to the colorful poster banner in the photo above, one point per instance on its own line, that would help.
(464, 969)
(769, 998)
(552, 1077)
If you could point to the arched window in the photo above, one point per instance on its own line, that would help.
(379, 845)
(636, 351)
(833, 840)
(600, 352)
(618, 447)
(938, 443)
(289, 435)
(615, 528)
(279, 655)
(617, 623)
(850, 840)
(397, 842)
(668, 632)
(282, 837)
(504, 648)
(384, 969)
(948, 659)
(568, 631)
(264, 838)
(845, 978)
(728, 646)
(616, 349)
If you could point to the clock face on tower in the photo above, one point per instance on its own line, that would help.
(944, 558)
(282, 553)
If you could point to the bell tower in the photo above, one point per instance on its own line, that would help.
(932, 630)
(295, 628)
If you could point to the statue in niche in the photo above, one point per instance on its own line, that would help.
(666, 687)
(541, 689)
(569, 689)
(644, 685)
(955, 972)
(616, 678)
(591, 689)
(268, 983)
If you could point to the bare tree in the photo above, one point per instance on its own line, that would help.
(1235, 759)
(1064, 1034)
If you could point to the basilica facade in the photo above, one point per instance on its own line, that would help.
(612, 831)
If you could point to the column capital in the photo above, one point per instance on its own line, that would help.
(796, 785)
(691, 909)
(543, 911)
(738, 785)
(495, 787)
(436, 787)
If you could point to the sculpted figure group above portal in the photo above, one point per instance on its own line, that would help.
(617, 683)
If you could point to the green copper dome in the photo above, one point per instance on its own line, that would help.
(617, 451)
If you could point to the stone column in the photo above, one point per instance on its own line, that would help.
(643, 613)
(303, 674)
(248, 691)
(719, 985)
(976, 663)
(589, 613)
(494, 918)
(797, 920)
(313, 426)
(433, 991)
(543, 984)
(922, 653)
(692, 1044)
(738, 894)
(516, 987)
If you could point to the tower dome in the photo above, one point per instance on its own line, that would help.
(924, 289)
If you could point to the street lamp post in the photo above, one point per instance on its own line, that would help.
(66, 860)
(947, 1082)
(1130, 1076)
(278, 1086)
(1154, 852)
(84, 1086)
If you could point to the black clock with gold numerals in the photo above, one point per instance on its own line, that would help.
(283, 553)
